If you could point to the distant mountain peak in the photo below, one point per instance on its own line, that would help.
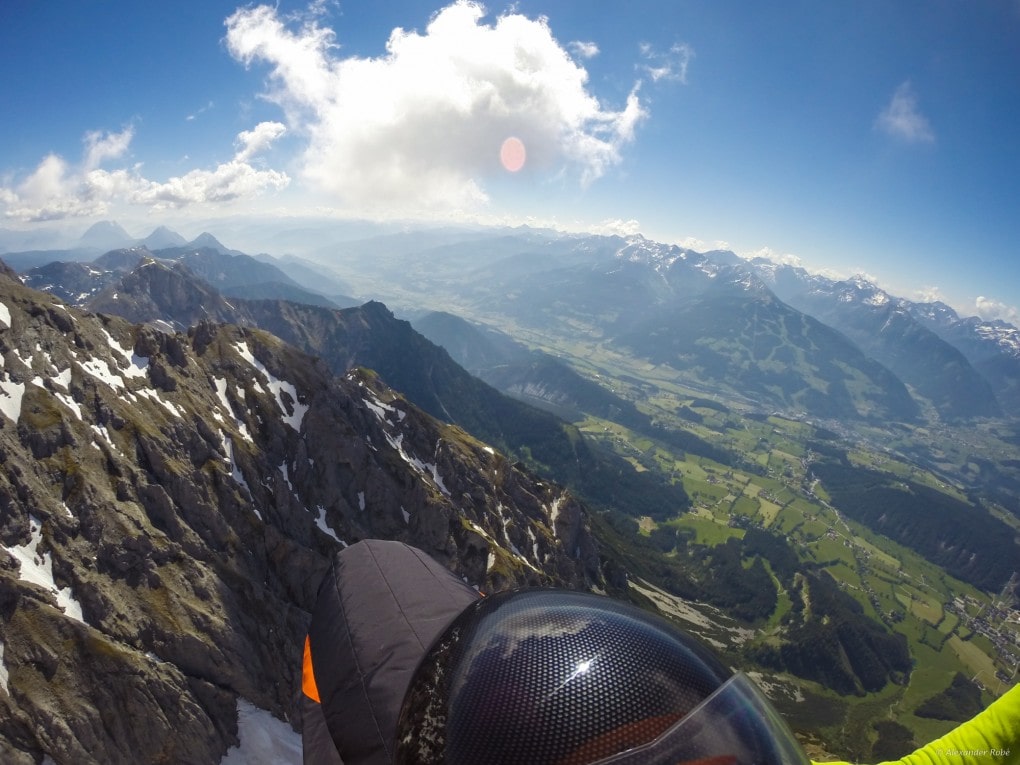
(162, 238)
(859, 289)
(637, 249)
(205, 239)
(106, 235)
(1002, 334)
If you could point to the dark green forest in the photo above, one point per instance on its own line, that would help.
(961, 537)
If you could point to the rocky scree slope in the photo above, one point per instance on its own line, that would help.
(169, 502)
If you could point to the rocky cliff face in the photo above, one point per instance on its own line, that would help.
(168, 503)
(370, 336)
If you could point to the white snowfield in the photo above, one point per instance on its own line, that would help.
(264, 740)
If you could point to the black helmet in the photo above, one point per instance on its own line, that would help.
(552, 676)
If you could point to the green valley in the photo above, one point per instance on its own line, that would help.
(774, 478)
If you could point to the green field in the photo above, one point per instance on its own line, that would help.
(768, 485)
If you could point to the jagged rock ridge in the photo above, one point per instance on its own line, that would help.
(168, 503)
(370, 336)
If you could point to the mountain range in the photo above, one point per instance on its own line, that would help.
(911, 339)
(187, 434)
(774, 334)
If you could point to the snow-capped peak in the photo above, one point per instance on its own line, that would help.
(662, 256)
(860, 289)
(1004, 335)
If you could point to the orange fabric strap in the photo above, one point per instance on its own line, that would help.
(308, 686)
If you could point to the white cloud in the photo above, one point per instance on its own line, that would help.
(779, 258)
(258, 140)
(236, 179)
(928, 294)
(902, 118)
(420, 127)
(57, 190)
(583, 49)
(990, 309)
(671, 65)
(227, 182)
(701, 245)
(100, 146)
(51, 192)
(615, 227)
(195, 115)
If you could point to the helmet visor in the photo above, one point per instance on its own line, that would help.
(736, 725)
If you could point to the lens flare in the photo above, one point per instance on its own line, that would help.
(512, 154)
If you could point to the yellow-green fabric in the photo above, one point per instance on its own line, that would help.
(990, 738)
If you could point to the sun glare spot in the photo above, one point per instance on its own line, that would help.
(512, 154)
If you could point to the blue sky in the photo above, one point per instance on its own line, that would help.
(867, 136)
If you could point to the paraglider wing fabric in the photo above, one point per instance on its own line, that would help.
(380, 606)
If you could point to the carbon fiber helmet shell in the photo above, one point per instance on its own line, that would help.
(551, 676)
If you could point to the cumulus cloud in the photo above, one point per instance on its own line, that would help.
(420, 127)
(57, 189)
(902, 118)
(671, 65)
(50, 192)
(100, 146)
(991, 309)
(252, 142)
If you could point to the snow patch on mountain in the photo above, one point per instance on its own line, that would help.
(1006, 336)
(37, 568)
(277, 387)
(4, 675)
(877, 299)
(70, 403)
(427, 470)
(100, 370)
(153, 395)
(220, 386)
(264, 740)
(660, 256)
(380, 409)
(103, 432)
(320, 521)
(235, 471)
(134, 365)
(11, 394)
(554, 510)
